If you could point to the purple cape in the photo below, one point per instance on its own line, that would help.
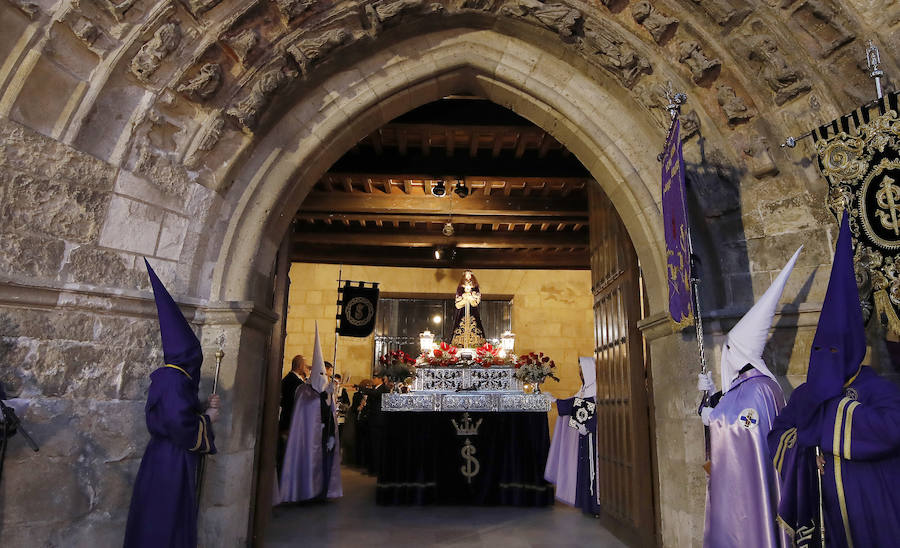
(743, 490)
(310, 470)
(164, 505)
(859, 433)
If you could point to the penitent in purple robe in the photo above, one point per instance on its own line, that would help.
(163, 508)
(310, 470)
(853, 416)
(164, 503)
(743, 490)
(859, 435)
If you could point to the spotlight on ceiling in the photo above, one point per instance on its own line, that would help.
(438, 189)
(461, 189)
(437, 253)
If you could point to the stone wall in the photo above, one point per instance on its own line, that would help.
(551, 312)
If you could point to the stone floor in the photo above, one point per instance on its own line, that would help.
(356, 521)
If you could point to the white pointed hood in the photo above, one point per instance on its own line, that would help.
(747, 340)
(589, 372)
(317, 377)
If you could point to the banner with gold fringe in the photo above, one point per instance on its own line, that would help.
(674, 209)
(859, 155)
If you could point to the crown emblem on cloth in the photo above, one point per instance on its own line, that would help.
(466, 427)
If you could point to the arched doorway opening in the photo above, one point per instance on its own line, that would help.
(574, 107)
(521, 211)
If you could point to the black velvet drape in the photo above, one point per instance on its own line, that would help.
(422, 461)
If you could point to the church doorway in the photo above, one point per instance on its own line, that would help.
(465, 183)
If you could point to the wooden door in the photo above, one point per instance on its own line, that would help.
(626, 467)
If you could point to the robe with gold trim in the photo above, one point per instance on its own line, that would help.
(164, 502)
(859, 435)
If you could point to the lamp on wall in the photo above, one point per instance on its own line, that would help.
(426, 341)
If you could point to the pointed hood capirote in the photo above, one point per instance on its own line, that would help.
(318, 380)
(839, 345)
(747, 340)
(180, 345)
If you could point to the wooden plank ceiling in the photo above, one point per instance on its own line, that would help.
(526, 205)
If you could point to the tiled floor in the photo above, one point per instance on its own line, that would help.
(355, 521)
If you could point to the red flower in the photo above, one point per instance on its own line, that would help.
(438, 353)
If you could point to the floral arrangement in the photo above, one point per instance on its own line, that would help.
(398, 366)
(443, 355)
(487, 355)
(533, 368)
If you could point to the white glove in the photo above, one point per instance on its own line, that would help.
(330, 444)
(704, 415)
(705, 382)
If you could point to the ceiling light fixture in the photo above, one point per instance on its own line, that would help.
(437, 254)
(439, 189)
(461, 189)
(448, 229)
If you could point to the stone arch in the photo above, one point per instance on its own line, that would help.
(577, 110)
(324, 123)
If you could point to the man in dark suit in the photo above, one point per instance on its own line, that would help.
(289, 385)
(376, 423)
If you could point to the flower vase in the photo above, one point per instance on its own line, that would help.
(537, 387)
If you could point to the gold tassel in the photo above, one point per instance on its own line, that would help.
(885, 310)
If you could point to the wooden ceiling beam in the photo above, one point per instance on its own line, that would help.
(359, 202)
(423, 257)
(459, 218)
(491, 240)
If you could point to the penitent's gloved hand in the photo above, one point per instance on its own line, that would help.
(704, 415)
(705, 382)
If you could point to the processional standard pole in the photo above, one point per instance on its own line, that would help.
(201, 466)
(676, 99)
(337, 316)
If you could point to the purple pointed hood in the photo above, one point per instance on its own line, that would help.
(180, 345)
(839, 346)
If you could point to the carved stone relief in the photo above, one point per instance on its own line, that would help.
(243, 43)
(735, 109)
(703, 69)
(116, 9)
(558, 17)
(150, 56)
(249, 110)
(755, 151)
(207, 137)
(785, 82)
(199, 6)
(28, 8)
(388, 13)
(290, 9)
(614, 54)
(690, 125)
(310, 52)
(482, 5)
(822, 23)
(660, 26)
(205, 84)
(726, 13)
(85, 30)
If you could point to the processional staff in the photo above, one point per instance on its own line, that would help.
(873, 63)
(201, 470)
(675, 100)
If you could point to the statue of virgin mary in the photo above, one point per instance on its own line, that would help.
(467, 329)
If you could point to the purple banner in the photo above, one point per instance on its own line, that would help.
(674, 208)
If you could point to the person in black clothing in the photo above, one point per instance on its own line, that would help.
(376, 424)
(362, 425)
(289, 384)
